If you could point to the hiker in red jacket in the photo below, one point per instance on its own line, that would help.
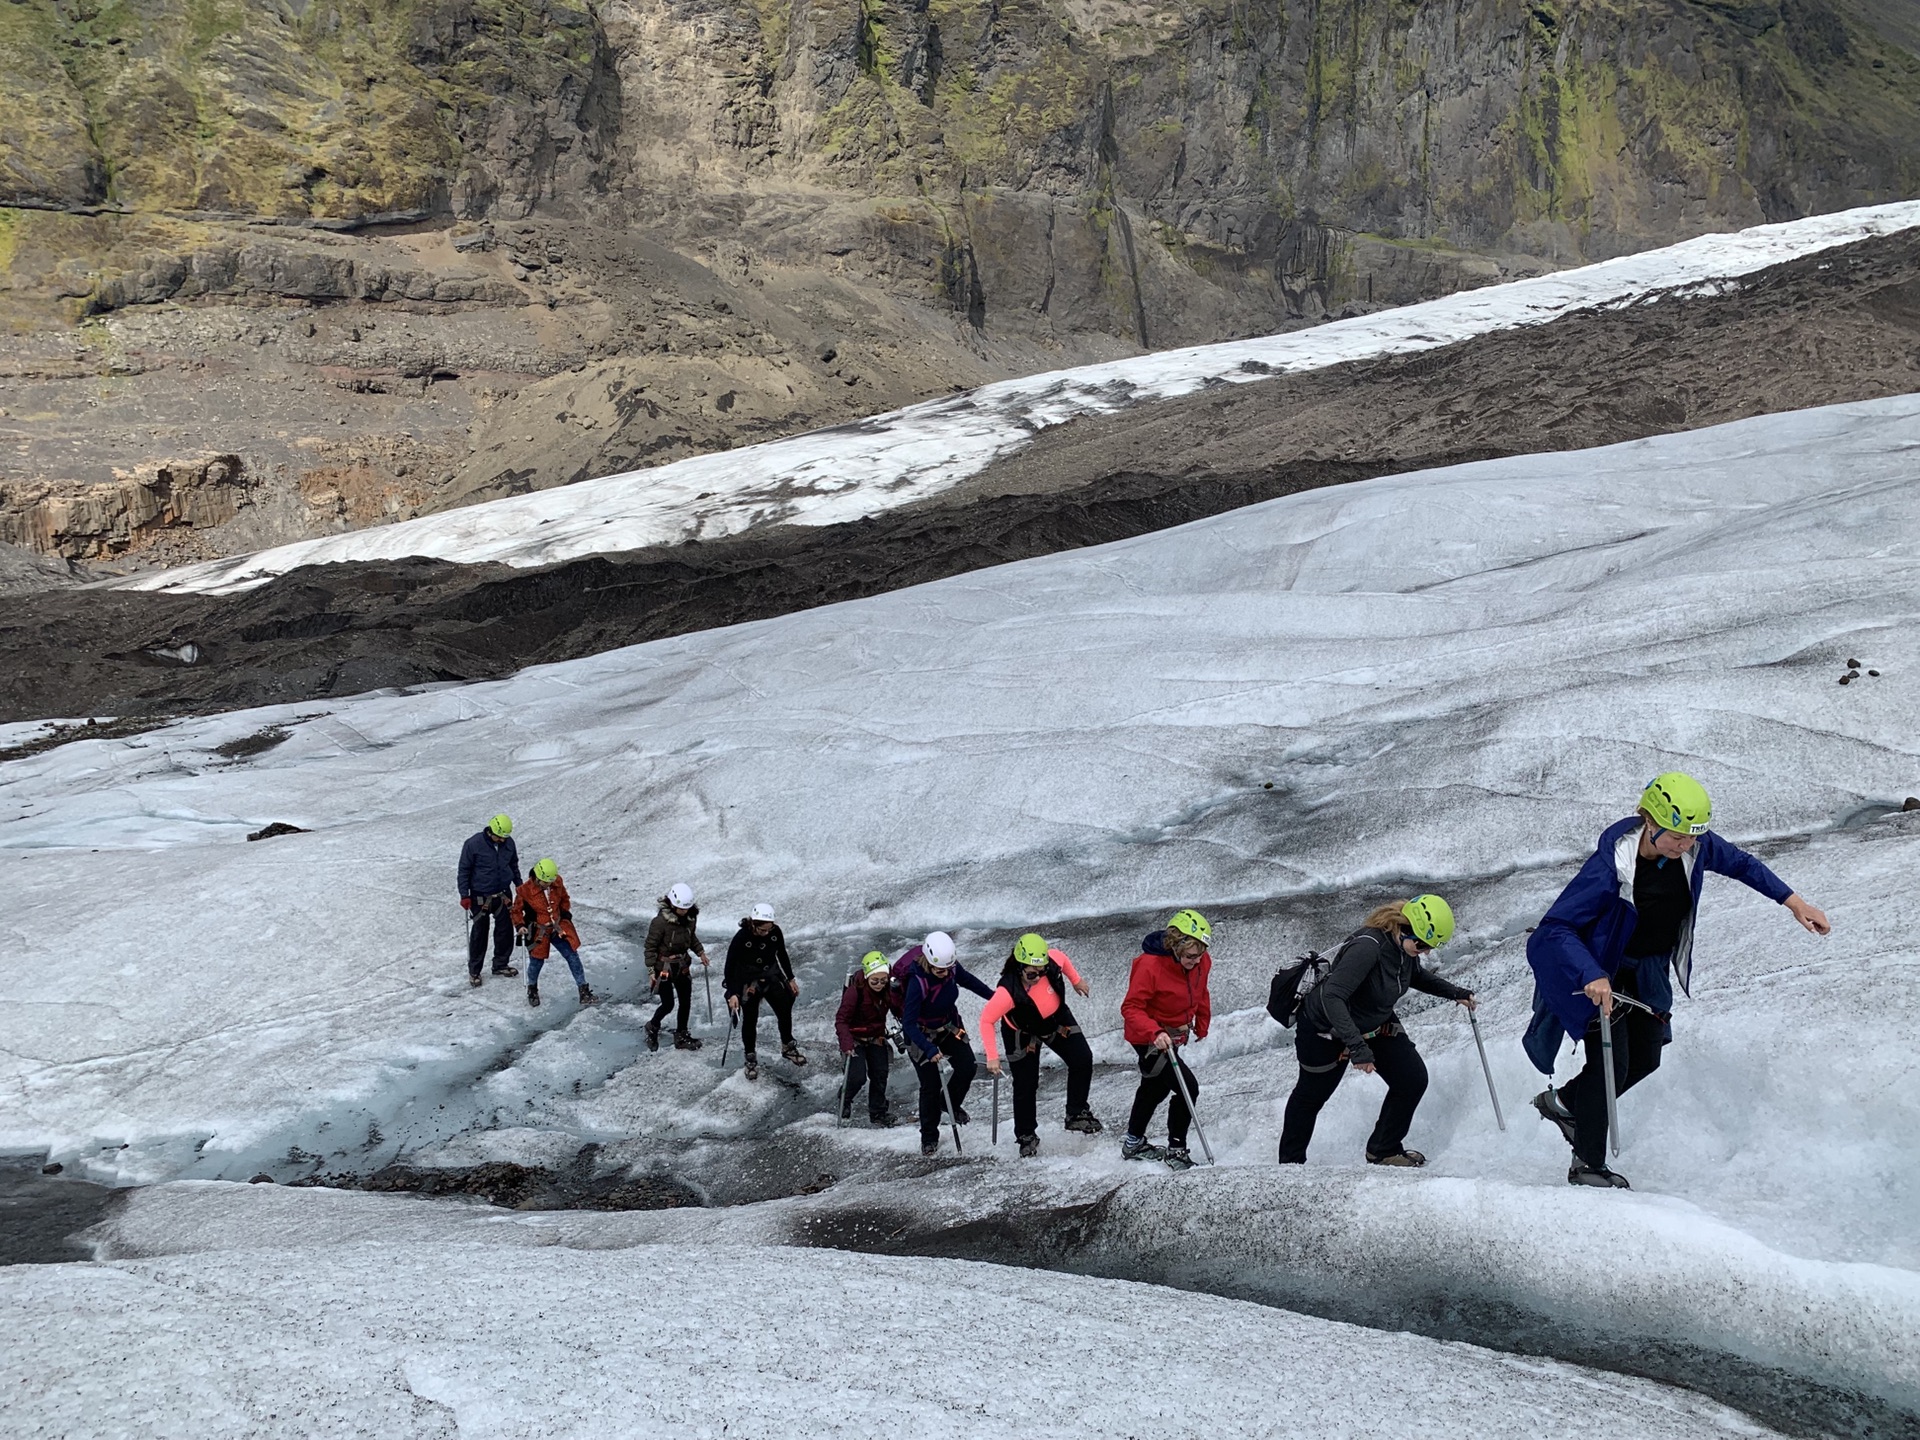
(1167, 1004)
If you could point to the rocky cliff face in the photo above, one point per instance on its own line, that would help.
(398, 255)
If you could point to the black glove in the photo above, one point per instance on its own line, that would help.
(520, 936)
(566, 914)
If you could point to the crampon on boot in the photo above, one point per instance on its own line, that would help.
(474, 981)
(1029, 1146)
(1599, 1177)
(1132, 1147)
(587, 997)
(753, 1067)
(533, 996)
(1406, 1159)
(684, 1041)
(506, 969)
(1085, 1123)
(790, 1052)
(653, 1035)
(1176, 1158)
(1547, 1102)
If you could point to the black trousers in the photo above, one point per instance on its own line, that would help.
(1156, 1083)
(1637, 1041)
(779, 999)
(674, 981)
(869, 1061)
(933, 1110)
(1024, 1068)
(497, 910)
(1321, 1069)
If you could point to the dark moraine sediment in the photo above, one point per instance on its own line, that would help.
(1841, 325)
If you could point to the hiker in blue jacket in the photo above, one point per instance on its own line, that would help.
(1622, 930)
(930, 979)
(489, 874)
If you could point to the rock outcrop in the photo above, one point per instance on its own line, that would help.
(508, 243)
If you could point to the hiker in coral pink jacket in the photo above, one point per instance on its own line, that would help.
(1167, 1005)
(1030, 1010)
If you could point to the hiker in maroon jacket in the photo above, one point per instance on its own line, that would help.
(866, 1005)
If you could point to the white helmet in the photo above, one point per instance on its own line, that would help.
(937, 949)
(762, 911)
(680, 896)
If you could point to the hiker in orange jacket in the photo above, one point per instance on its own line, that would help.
(543, 918)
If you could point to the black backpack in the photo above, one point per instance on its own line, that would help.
(1287, 992)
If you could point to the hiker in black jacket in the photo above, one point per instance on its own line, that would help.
(758, 968)
(673, 940)
(1348, 1018)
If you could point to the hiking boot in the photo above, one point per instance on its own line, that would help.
(885, 1120)
(587, 997)
(790, 1052)
(1132, 1147)
(929, 1147)
(533, 996)
(1177, 1158)
(1085, 1123)
(683, 1041)
(960, 1115)
(1547, 1102)
(506, 969)
(653, 1035)
(1597, 1176)
(1406, 1159)
(474, 981)
(753, 1067)
(1029, 1146)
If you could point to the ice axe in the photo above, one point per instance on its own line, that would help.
(846, 1078)
(733, 1023)
(996, 1107)
(706, 974)
(1180, 1083)
(1606, 1059)
(953, 1118)
(1487, 1070)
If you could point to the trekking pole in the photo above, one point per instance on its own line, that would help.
(996, 1109)
(1180, 1082)
(1606, 1058)
(1487, 1070)
(706, 974)
(846, 1078)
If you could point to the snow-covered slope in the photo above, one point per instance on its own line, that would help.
(1077, 744)
(476, 1340)
(890, 460)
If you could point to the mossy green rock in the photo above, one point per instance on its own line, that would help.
(340, 111)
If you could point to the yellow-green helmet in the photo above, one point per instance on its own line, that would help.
(1193, 924)
(1030, 949)
(500, 826)
(1677, 802)
(872, 963)
(545, 871)
(1430, 918)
